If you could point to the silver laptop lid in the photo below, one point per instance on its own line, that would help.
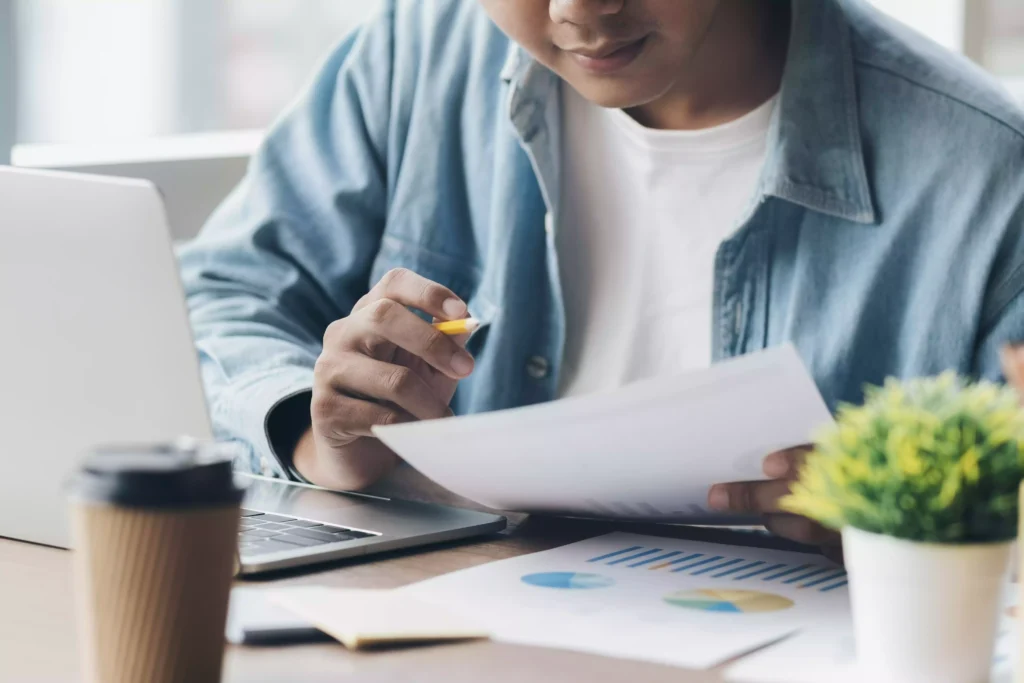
(95, 345)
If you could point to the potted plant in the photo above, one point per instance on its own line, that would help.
(923, 482)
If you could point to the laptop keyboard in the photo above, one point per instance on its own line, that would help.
(262, 533)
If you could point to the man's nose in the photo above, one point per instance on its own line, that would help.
(582, 12)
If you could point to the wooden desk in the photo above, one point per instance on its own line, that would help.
(37, 633)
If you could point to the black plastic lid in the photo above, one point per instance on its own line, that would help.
(163, 476)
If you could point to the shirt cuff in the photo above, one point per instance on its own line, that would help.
(287, 423)
(246, 407)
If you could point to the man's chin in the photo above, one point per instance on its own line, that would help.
(616, 93)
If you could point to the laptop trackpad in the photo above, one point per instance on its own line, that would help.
(268, 495)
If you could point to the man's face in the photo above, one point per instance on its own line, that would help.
(616, 53)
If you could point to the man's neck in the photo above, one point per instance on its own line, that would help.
(737, 68)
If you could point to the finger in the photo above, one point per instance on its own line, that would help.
(800, 529)
(759, 497)
(363, 377)
(391, 322)
(460, 340)
(341, 417)
(833, 550)
(410, 289)
(429, 374)
(1013, 367)
(785, 464)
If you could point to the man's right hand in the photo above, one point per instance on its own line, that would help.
(381, 365)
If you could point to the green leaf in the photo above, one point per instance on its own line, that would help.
(933, 459)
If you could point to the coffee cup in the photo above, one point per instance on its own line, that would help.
(155, 531)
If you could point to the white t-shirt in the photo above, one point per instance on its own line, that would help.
(643, 213)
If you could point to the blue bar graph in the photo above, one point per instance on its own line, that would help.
(700, 563)
(825, 579)
(613, 554)
(715, 568)
(802, 576)
(679, 560)
(742, 567)
(635, 556)
(656, 558)
(834, 586)
(806, 575)
(762, 570)
(785, 572)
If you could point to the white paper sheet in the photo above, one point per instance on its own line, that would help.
(648, 451)
(824, 653)
(624, 606)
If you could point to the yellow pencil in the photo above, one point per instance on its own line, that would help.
(455, 327)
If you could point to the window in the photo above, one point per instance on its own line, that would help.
(989, 31)
(115, 70)
(99, 71)
(7, 108)
(1003, 50)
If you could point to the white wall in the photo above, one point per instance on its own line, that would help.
(111, 70)
(1016, 87)
(130, 41)
(944, 21)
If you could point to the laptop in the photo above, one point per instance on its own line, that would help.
(96, 349)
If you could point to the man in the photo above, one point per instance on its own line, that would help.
(617, 189)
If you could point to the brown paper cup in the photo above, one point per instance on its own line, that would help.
(152, 591)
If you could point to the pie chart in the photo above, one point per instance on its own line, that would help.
(735, 601)
(567, 580)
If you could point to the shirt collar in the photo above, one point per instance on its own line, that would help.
(815, 154)
(514, 64)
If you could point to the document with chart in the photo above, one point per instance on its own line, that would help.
(648, 451)
(675, 602)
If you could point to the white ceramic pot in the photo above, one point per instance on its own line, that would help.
(924, 612)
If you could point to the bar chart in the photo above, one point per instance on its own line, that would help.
(812, 576)
(669, 600)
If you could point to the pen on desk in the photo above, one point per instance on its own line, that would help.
(455, 327)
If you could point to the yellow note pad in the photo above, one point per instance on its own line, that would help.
(363, 618)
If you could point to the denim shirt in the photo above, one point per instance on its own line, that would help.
(886, 237)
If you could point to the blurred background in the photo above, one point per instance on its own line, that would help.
(93, 70)
(97, 83)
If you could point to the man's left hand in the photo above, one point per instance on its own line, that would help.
(762, 498)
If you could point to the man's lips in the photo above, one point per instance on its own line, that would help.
(608, 58)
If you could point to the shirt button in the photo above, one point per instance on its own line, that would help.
(537, 367)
